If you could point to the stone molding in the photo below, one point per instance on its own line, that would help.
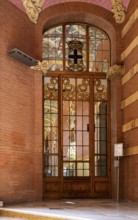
(115, 70)
(132, 72)
(130, 23)
(128, 101)
(130, 151)
(128, 50)
(130, 125)
(118, 10)
(41, 66)
(33, 8)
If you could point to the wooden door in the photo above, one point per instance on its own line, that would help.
(75, 137)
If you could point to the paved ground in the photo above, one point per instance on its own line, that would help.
(79, 209)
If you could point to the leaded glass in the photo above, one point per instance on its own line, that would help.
(52, 48)
(78, 33)
(99, 51)
(57, 53)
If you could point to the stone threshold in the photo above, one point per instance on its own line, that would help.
(28, 215)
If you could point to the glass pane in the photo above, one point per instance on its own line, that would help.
(54, 119)
(86, 172)
(100, 160)
(79, 153)
(80, 172)
(72, 108)
(65, 137)
(72, 122)
(99, 45)
(85, 108)
(65, 122)
(52, 48)
(85, 138)
(101, 134)
(86, 124)
(47, 120)
(46, 106)
(69, 169)
(100, 120)
(86, 166)
(65, 153)
(79, 123)
(79, 108)
(53, 147)
(72, 137)
(51, 166)
(100, 147)
(66, 108)
(100, 171)
(79, 138)
(85, 153)
(72, 152)
(80, 166)
(54, 133)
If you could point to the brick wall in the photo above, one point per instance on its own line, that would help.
(21, 98)
(18, 155)
(129, 169)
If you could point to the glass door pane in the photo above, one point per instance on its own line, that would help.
(76, 127)
(51, 150)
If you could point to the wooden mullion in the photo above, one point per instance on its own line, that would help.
(91, 134)
(60, 141)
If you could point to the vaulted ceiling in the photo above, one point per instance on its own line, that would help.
(103, 3)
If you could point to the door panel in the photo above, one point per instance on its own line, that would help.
(75, 137)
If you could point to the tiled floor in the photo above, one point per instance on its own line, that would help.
(79, 209)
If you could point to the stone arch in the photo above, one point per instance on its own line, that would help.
(80, 12)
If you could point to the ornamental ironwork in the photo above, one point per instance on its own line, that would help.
(100, 90)
(50, 89)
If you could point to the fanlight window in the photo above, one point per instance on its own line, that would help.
(76, 47)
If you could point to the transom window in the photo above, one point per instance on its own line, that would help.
(76, 47)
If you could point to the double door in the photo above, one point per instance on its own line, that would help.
(76, 150)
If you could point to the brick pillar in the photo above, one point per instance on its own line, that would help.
(38, 137)
(116, 127)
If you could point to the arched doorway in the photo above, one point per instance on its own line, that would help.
(76, 112)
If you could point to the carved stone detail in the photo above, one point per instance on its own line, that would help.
(33, 8)
(114, 70)
(118, 10)
(41, 66)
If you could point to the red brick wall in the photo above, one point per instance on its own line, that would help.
(18, 155)
(116, 127)
(129, 169)
(21, 98)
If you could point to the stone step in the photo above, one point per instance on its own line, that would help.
(10, 218)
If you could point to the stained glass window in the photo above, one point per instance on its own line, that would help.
(99, 51)
(53, 48)
(95, 54)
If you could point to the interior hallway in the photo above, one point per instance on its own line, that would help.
(76, 209)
